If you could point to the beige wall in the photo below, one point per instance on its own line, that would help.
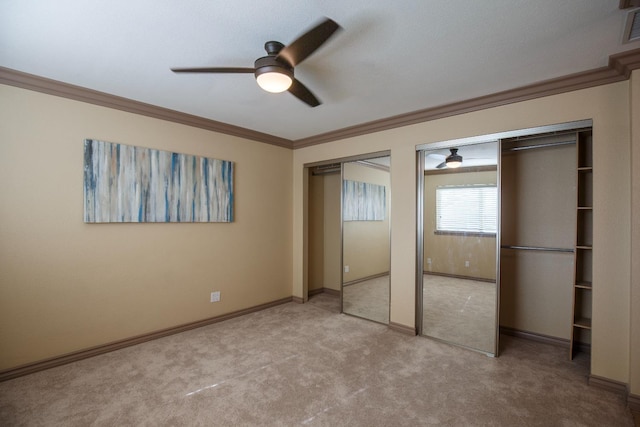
(448, 253)
(66, 285)
(607, 105)
(324, 232)
(366, 243)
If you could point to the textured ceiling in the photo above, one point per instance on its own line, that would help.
(392, 57)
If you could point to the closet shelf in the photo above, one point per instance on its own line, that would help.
(536, 248)
(583, 323)
(583, 266)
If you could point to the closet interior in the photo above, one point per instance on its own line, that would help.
(546, 237)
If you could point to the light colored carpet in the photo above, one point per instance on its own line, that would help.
(368, 299)
(460, 310)
(326, 301)
(302, 364)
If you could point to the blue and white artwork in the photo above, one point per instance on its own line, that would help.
(363, 201)
(123, 183)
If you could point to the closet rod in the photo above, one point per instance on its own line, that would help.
(529, 147)
(536, 248)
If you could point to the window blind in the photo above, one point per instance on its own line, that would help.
(471, 209)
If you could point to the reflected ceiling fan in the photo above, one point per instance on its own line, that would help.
(453, 160)
(274, 72)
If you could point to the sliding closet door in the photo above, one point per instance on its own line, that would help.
(366, 244)
(538, 224)
(458, 295)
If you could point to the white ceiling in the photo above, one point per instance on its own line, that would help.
(391, 57)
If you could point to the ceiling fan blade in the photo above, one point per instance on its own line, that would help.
(306, 44)
(214, 70)
(301, 92)
(441, 165)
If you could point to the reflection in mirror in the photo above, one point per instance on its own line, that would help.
(460, 230)
(366, 200)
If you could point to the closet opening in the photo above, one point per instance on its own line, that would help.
(546, 238)
(542, 247)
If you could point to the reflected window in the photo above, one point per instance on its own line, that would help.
(466, 209)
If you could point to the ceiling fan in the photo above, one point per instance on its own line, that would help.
(274, 72)
(453, 160)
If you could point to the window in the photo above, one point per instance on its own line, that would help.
(466, 209)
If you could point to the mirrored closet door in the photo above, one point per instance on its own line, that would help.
(460, 228)
(366, 259)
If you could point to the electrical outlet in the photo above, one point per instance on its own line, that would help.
(428, 260)
(346, 268)
(215, 296)
(466, 263)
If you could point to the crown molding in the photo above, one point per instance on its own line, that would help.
(619, 69)
(53, 87)
(625, 4)
(625, 62)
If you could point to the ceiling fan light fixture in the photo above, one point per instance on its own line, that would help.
(454, 160)
(274, 81)
(272, 76)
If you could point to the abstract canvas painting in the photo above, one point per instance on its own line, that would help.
(123, 183)
(363, 201)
